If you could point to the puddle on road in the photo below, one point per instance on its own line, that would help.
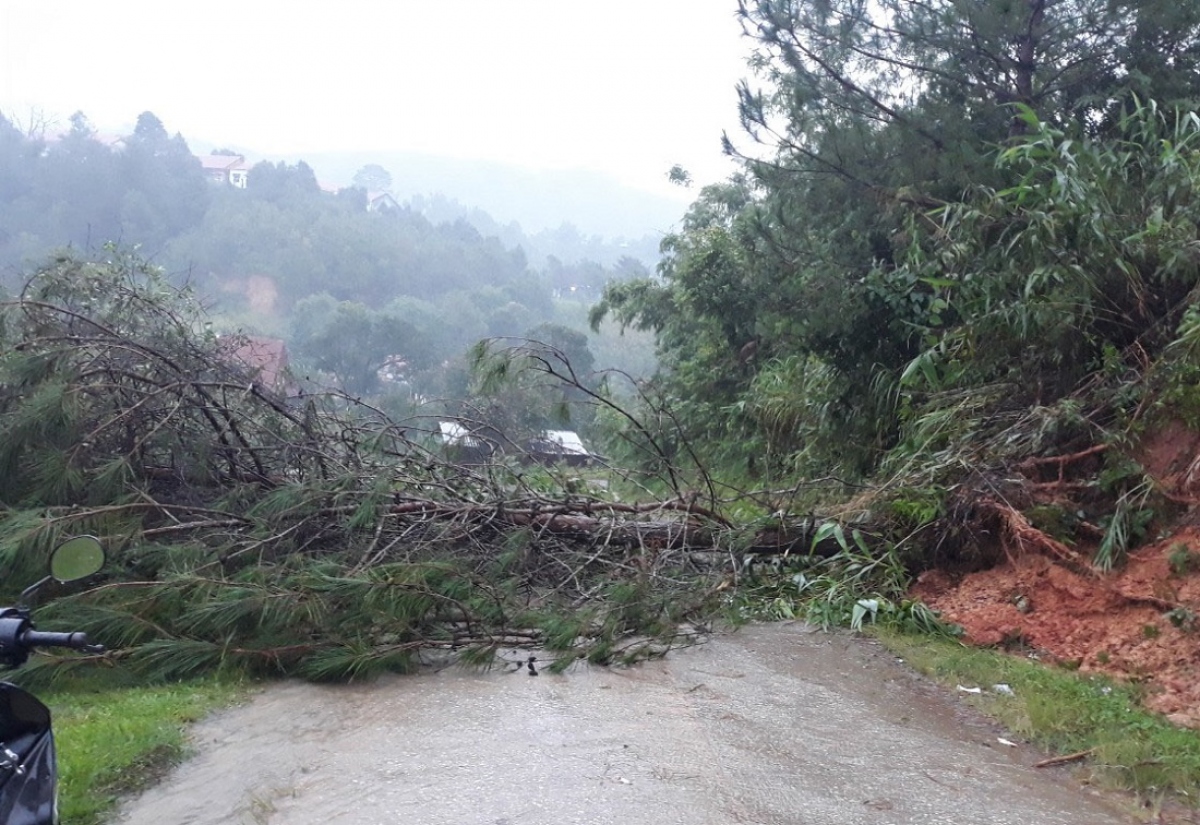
(774, 724)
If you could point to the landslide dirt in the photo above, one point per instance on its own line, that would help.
(1139, 623)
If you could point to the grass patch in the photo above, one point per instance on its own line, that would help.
(1063, 711)
(114, 741)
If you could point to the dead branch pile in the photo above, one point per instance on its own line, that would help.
(311, 533)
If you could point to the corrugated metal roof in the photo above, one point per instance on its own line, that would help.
(458, 435)
(568, 440)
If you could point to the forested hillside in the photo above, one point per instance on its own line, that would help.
(285, 258)
(946, 317)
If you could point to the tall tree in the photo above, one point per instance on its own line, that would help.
(874, 107)
(149, 131)
(167, 192)
(373, 178)
(17, 159)
(281, 181)
(864, 113)
(90, 172)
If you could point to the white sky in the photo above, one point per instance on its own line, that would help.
(626, 87)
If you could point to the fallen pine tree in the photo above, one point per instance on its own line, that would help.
(313, 535)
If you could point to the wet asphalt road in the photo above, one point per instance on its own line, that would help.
(772, 724)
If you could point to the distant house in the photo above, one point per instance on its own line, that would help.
(381, 202)
(229, 169)
(463, 445)
(559, 447)
(394, 370)
(479, 445)
(267, 360)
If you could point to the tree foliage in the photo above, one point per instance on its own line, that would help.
(258, 254)
(955, 192)
(1089, 252)
(525, 386)
(314, 536)
(373, 178)
(354, 343)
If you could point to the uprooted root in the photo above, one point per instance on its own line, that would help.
(1019, 537)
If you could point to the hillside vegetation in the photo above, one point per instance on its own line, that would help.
(351, 290)
(952, 300)
(938, 321)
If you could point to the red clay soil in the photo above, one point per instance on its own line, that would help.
(1139, 623)
(1116, 624)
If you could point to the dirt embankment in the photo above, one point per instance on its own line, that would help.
(1140, 623)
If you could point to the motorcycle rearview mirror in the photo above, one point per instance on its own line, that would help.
(76, 559)
(71, 561)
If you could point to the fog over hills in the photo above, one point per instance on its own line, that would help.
(593, 202)
(536, 199)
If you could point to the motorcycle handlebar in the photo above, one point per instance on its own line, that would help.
(78, 641)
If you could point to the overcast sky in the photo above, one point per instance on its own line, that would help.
(626, 87)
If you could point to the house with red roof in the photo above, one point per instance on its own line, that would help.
(229, 169)
(267, 361)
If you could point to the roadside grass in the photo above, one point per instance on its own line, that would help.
(1066, 712)
(116, 740)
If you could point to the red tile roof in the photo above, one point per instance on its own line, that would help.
(223, 163)
(266, 357)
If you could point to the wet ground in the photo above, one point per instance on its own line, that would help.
(1138, 622)
(774, 725)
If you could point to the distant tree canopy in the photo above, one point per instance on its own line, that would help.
(373, 178)
(76, 190)
(283, 182)
(354, 343)
(343, 280)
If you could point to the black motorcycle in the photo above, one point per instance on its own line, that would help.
(28, 768)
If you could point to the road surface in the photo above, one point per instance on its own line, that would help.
(773, 725)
